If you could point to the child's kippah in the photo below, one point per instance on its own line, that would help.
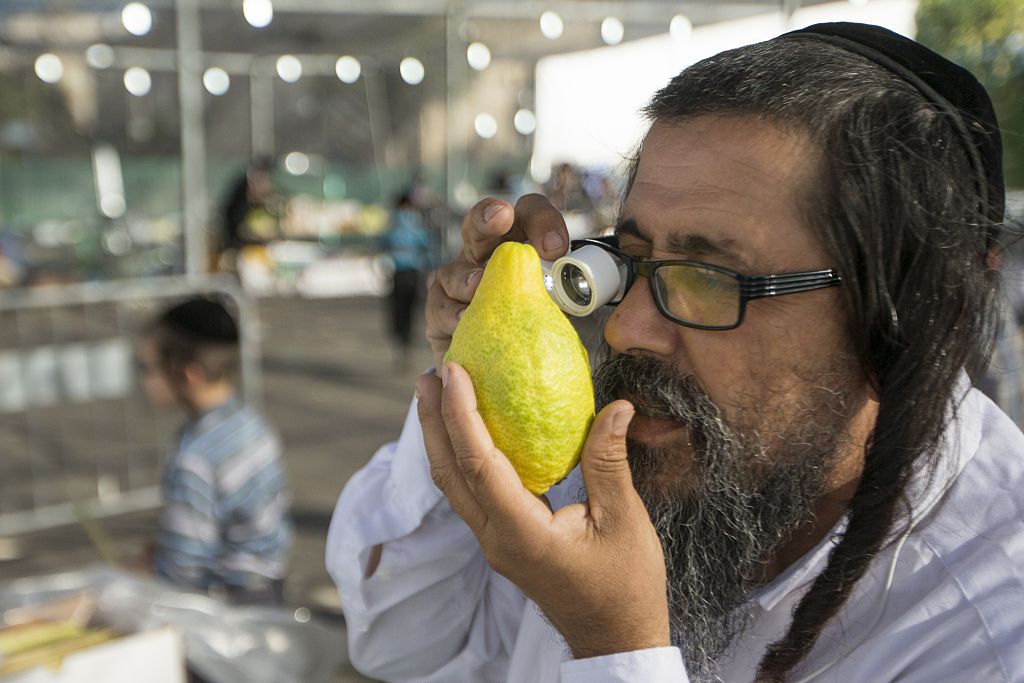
(204, 320)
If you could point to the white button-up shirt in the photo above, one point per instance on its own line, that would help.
(434, 611)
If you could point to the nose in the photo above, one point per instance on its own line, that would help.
(636, 327)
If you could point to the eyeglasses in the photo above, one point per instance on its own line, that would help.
(702, 295)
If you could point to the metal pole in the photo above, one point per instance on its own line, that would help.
(193, 144)
(261, 102)
(375, 88)
(789, 8)
(455, 140)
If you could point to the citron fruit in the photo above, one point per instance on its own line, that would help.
(529, 369)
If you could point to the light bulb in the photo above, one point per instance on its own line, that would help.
(681, 27)
(478, 55)
(216, 80)
(485, 126)
(49, 68)
(348, 69)
(259, 13)
(137, 81)
(525, 122)
(136, 18)
(551, 25)
(289, 68)
(412, 70)
(612, 30)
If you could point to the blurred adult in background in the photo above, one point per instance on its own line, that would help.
(791, 476)
(13, 268)
(567, 192)
(224, 526)
(248, 213)
(419, 194)
(407, 242)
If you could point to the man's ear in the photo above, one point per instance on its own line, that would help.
(874, 389)
(194, 375)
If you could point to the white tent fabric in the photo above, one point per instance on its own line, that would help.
(588, 103)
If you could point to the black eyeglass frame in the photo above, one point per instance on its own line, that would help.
(751, 286)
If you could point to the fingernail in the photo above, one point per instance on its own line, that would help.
(553, 242)
(620, 423)
(458, 316)
(444, 375)
(474, 277)
(416, 390)
(490, 211)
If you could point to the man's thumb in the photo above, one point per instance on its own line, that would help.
(604, 463)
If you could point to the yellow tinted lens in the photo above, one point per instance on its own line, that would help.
(699, 295)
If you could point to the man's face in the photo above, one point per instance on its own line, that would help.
(729, 191)
(738, 433)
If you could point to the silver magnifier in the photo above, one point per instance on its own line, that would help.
(585, 279)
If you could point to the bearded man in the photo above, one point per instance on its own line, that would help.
(791, 476)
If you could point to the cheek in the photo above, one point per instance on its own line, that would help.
(724, 363)
(159, 391)
(750, 371)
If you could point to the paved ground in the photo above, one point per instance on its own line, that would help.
(334, 389)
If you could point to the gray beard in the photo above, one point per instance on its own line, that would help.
(743, 503)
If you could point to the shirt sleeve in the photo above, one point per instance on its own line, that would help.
(188, 542)
(653, 665)
(253, 498)
(433, 610)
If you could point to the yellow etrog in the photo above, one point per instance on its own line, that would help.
(529, 369)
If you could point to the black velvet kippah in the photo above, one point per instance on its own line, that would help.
(949, 87)
(204, 320)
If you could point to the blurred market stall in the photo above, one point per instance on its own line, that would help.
(131, 121)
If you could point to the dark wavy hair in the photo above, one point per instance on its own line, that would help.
(897, 209)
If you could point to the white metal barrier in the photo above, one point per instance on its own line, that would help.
(77, 436)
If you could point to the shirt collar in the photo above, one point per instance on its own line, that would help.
(212, 416)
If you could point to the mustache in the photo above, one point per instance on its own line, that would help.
(657, 385)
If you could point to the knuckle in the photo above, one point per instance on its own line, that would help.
(432, 313)
(436, 289)
(609, 459)
(442, 476)
(436, 335)
(473, 465)
(453, 280)
(441, 316)
(425, 413)
(448, 412)
(478, 252)
(444, 279)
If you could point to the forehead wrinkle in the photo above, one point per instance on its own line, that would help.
(752, 182)
(686, 243)
(697, 193)
(697, 204)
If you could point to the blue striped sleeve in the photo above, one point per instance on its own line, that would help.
(188, 543)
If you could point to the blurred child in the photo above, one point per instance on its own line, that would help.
(224, 526)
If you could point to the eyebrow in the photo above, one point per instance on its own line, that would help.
(687, 244)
